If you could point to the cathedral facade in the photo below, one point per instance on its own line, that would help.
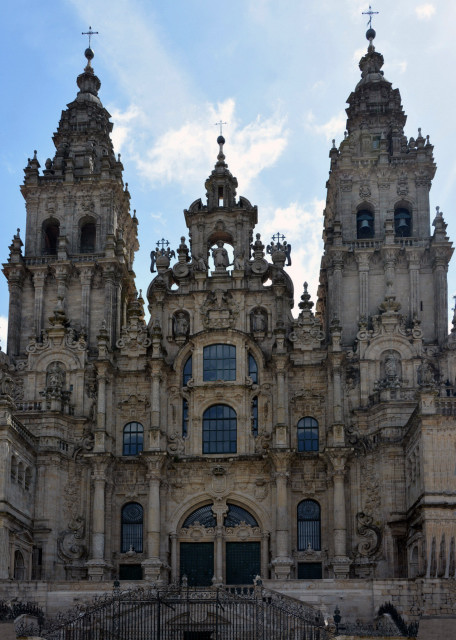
(227, 438)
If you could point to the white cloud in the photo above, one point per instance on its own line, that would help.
(333, 128)
(425, 11)
(302, 226)
(183, 155)
(3, 331)
(124, 123)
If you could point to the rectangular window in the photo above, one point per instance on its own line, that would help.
(310, 571)
(219, 362)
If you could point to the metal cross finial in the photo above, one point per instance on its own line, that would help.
(370, 13)
(220, 124)
(162, 243)
(278, 237)
(90, 33)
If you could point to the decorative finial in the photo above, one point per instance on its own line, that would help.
(370, 33)
(437, 211)
(89, 54)
(220, 139)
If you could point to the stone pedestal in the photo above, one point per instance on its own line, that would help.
(152, 570)
(282, 567)
(341, 567)
(98, 570)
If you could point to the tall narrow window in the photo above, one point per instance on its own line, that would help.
(220, 197)
(184, 418)
(219, 429)
(133, 438)
(309, 525)
(219, 362)
(51, 232)
(132, 528)
(88, 237)
(253, 369)
(187, 372)
(19, 566)
(308, 439)
(255, 416)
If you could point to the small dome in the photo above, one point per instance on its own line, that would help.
(370, 34)
(89, 54)
(220, 140)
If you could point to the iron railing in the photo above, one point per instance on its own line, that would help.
(178, 613)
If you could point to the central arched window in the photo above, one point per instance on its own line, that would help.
(237, 515)
(204, 516)
(219, 429)
(308, 434)
(133, 439)
(132, 528)
(309, 525)
(219, 362)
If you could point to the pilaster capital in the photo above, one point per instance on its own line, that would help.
(154, 463)
(86, 274)
(338, 457)
(39, 277)
(281, 461)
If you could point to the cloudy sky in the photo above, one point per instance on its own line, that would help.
(277, 73)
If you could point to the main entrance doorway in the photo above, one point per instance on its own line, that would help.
(235, 535)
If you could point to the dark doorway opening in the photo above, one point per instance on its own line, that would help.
(197, 563)
(310, 571)
(130, 572)
(242, 562)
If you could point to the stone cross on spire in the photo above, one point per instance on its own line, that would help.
(89, 33)
(370, 13)
(220, 124)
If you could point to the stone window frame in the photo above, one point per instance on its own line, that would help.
(138, 446)
(228, 445)
(308, 428)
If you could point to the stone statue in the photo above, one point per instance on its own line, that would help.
(181, 324)
(258, 320)
(239, 260)
(220, 256)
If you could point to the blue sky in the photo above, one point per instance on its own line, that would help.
(277, 73)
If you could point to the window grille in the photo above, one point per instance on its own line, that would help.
(219, 429)
(133, 438)
(219, 362)
(309, 525)
(132, 528)
(203, 515)
(236, 515)
(308, 438)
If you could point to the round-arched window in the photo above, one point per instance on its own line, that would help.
(219, 429)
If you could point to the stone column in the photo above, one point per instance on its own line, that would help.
(414, 270)
(265, 555)
(218, 569)
(337, 264)
(440, 268)
(389, 257)
(363, 267)
(61, 276)
(97, 566)
(282, 562)
(174, 568)
(39, 278)
(86, 280)
(341, 563)
(4, 550)
(15, 284)
(100, 430)
(110, 301)
(153, 565)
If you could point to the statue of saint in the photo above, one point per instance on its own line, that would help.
(220, 256)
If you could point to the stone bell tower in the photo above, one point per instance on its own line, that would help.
(80, 236)
(379, 251)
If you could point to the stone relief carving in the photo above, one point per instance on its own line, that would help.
(371, 534)
(258, 320)
(219, 311)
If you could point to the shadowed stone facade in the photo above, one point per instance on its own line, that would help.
(228, 438)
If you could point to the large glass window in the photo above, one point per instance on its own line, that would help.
(219, 362)
(133, 438)
(308, 435)
(219, 429)
(132, 528)
(309, 525)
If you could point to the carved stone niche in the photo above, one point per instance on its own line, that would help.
(181, 326)
(259, 322)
